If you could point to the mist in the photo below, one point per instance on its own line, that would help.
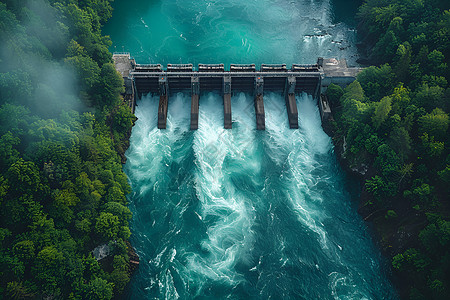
(32, 68)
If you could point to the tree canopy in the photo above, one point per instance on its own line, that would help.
(62, 188)
(395, 120)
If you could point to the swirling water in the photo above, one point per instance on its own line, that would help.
(241, 213)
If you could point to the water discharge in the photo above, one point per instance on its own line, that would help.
(241, 213)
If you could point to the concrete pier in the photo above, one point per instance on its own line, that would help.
(292, 112)
(194, 112)
(162, 111)
(259, 104)
(227, 123)
(324, 107)
(291, 104)
(163, 102)
(259, 111)
(195, 92)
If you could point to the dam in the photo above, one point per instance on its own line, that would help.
(313, 79)
(241, 213)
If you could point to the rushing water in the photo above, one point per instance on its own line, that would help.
(241, 213)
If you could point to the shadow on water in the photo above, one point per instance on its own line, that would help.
(345, 11)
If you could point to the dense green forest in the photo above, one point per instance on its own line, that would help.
(393, 126)
(63, 129)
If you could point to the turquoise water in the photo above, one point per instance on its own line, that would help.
(241, 213)
(231, 31)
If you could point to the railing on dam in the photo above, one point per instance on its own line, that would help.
(142, 79)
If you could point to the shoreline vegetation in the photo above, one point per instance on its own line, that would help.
(64, 131)
(391, 130)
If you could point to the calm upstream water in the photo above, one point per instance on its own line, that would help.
(241, 213)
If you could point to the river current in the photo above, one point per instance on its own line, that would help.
(241, 213)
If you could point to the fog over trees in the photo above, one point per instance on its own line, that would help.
(63, 128)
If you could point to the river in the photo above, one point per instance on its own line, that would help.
(241, 213)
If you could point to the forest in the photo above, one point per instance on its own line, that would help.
(393, 126)
(64, 130)
(63, 133)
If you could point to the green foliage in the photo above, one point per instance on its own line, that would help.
(4, 233)
(354, 102)
(402, 62)
(24, 250)
(86, 69)
(353, 91)
(430, 148)
(403, 103)
(334, 93)
(107, 226)
(62, 128)
(49, 269)
(376, 81)
(119, 210)
(387, 161)
(435, 124)
(411, 259)
(436, 236)
(97, 289)
(123, 119)
(437, 286)
(397, 261)
(430, 97)
(372, 143)
(385, 49)
(119, 276)
(400, 141)
(15, 84)
(8, 152)
(444, 175)
(400, 99)
(421, 195)
(23, 176)
(391, 214)
(379, 187)
(382, 110)
(16, 290)
(110, 85)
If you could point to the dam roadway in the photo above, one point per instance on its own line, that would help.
(313, 79)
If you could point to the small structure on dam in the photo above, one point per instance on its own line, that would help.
(141, 79)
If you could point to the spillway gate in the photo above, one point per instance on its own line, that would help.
(142, 79)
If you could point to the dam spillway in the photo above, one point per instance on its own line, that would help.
(241, 213)
(313, 79)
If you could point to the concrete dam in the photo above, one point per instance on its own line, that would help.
(313, 79)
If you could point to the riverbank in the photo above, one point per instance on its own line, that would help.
(390, 233)
(392, 131)
(63, 133)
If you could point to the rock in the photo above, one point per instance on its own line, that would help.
(101, 251)
(134, 258)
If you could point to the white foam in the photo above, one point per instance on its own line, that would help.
(150, 146)
(223, 208)
(298, 148)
